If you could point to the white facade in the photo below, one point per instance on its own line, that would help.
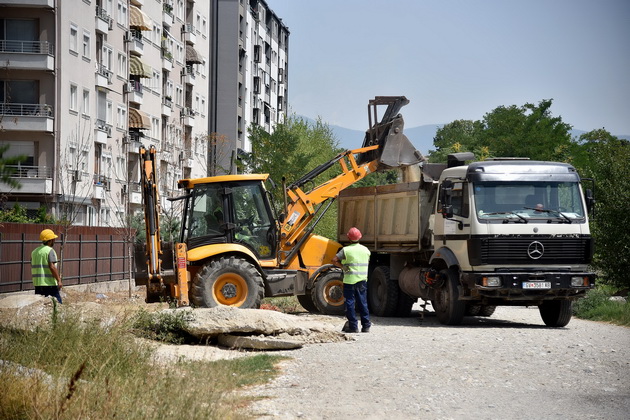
(85, 83)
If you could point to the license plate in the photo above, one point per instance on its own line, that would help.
(537, 285)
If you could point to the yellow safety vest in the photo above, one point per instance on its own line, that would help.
(356, 259)
(40, 271)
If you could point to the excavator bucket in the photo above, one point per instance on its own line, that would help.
(395, 149)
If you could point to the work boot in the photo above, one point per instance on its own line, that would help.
(348, 329)
(366, 328)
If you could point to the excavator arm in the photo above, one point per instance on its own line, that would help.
(384, 147)
(151, 221)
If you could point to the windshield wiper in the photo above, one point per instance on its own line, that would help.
(524, 219)
(556, 212)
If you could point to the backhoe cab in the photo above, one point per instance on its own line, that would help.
(234, 251)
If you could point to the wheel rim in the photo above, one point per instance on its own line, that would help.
(333, 293)
(230, 289)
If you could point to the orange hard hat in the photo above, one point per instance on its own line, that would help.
(354, 234)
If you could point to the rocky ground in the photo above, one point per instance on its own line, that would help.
(509, 366)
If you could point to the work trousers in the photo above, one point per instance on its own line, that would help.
(356, 294)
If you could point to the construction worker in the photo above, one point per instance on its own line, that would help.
(46, 278)
(355, 259)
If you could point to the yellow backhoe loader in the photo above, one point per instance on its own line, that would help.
(234, 251)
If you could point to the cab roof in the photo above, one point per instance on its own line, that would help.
(191, 182)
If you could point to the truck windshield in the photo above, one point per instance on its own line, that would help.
(519, 201)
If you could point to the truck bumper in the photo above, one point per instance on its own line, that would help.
(526, 286)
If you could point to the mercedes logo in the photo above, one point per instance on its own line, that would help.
(535, 250)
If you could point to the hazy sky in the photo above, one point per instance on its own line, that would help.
(459, 59)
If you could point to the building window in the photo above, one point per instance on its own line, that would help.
(122, 13)
(74, 38)
(122, 65)
(86, 102)
(121, 117)
(86, 45)
(73, 98)
(109, 114)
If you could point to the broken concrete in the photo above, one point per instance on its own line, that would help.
(262, 342)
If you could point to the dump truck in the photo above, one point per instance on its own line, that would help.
(234, 250)
(470, 237)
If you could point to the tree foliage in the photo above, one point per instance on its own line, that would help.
(7, 167)
(605, 158)
(526, 131)
(291, 151)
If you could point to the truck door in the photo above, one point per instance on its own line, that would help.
(454, 205)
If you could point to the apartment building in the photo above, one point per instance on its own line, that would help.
(85, 83)
(249, 47)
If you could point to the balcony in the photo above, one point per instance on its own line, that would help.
(188, 75)
(167, 59)
(33, 180)
(135, 197)
(188, 116)
(26, 117)
(136, 44)
(134, 90)
(188, 32)
(103, 76)
(104, 22)
(27, 55)
(30, 3)
(167, 14)
(102, 185)
(167, 106)
(102, 131)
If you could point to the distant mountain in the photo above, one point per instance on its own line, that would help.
(421, 137)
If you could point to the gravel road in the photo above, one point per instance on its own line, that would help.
(509, 366)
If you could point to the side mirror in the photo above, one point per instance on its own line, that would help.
(590, 200)
(445, 198)
(447, 211)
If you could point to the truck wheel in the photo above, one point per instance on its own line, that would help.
(327, 294)
(448, 308)
(487, 310)
(405, 303)
(307, 302)
(382, 292)
(229, 281)
(556, 313)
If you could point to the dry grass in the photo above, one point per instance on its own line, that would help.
(72, 370)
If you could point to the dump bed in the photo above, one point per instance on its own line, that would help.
(394, 218)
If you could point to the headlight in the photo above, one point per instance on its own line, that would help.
(491, 281)
(579, 281)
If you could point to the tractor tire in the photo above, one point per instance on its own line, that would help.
(382, 292)
(448, 308)
(307, 302)
(227, 281)
(556, 313)
(327, 294)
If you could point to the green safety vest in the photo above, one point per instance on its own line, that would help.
(40, 271)
(355, 262)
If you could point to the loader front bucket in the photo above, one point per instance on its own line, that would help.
(395, 150)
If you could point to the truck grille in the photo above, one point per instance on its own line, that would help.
(530, 250)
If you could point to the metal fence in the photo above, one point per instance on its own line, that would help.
(90, 255)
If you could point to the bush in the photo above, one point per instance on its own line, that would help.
(597, 306)
(165, 326)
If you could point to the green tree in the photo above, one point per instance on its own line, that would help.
(7, 168)
(604, 157)
(291, 151)
(524, 131)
